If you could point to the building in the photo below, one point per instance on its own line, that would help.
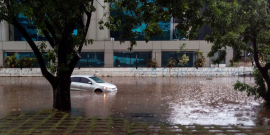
(107, 51)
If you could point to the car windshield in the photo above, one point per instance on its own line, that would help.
(97, 79)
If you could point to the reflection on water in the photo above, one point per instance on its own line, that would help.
(182, 100)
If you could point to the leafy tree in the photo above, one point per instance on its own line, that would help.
(152, 63)
(171, 62)
(22, 62)
(30, 62)
(243, 25)
(183, 58)
(11, 61)
(57, 19)
(200, 60)
(150, 12)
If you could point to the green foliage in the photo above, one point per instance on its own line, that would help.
(183, 58)
(30, 61)
(220, 58)
(11, 61)
(236, 25)
(152, 63)
(200, 60)
(258, 91)
(133, 13)
(232, 63)
(22, 62)
(243, 25)
(171, 62)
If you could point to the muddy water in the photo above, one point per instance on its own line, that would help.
(182, 100)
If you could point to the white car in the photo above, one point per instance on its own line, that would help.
(90, 83)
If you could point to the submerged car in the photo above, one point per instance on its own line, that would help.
(90, 83)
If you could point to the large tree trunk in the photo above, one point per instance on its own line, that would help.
(61, 94)
(267, 96)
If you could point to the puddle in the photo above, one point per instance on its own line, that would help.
(169, 100)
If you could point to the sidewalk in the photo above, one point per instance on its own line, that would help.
(57, 123)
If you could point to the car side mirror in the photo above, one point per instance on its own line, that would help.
(90, 83)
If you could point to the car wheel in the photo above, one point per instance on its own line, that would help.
(98, 91)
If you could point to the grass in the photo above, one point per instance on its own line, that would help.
(59, 123)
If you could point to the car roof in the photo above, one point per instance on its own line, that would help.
(87, 76)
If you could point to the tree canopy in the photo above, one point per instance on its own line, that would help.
(243, 25)
(57, 19)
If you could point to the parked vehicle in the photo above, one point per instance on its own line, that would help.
(90, 83)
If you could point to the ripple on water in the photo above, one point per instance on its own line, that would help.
(182, 100)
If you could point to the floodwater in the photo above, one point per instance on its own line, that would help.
(172, 100)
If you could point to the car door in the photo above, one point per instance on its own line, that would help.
(85, 84)
(75, 83)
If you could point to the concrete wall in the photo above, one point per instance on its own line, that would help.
(109, 47)
(170, 72)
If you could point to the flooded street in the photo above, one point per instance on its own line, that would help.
(172, 100)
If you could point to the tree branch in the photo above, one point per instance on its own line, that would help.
(49, 38)
(51, 30)
(267, 66)
(256, 57)
(36, 51)
(76, 58)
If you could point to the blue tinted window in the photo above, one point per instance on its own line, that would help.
(165, 26)
(31, 30)
(91, 59)
(25, 55)
(174, 55)
(128, 59)
(29, 27)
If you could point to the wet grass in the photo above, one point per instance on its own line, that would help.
(51, 122)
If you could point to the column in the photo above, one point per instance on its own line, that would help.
(1, 57)
(108, 54)
(108, 58)
(4, 36)
(92, 30)
(156, 54)
(105, 33)
(4, 31)
(229, 55)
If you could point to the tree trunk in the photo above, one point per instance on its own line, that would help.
(267, 96)
(61, 94)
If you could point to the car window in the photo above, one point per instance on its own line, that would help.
(97, 79)
(84, 80)
(75, 79)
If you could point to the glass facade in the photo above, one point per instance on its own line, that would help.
(165, 26)
(31, 30)
(128, 59)
(175, 56)
(29, 27)
(88, 59)
(23, 54)
(91, 59)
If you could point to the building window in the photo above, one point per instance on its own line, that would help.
(30, 29)
(128, 59)
(164, 26)
(91, 59)
(25, 55)
(175, 56)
